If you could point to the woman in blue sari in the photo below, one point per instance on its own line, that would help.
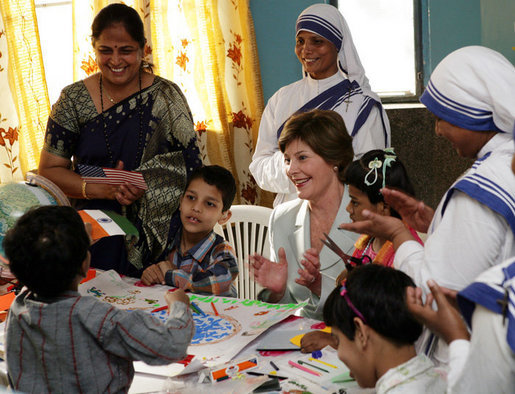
(333, 79)
(123, 117)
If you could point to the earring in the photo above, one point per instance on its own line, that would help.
(335, 168)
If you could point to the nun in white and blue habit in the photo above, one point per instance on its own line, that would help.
(487, 362)
(472, 90)
(347, 92)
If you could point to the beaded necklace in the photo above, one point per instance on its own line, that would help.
(139, 103)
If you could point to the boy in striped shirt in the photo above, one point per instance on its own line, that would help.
(198, 259)
(59, 341)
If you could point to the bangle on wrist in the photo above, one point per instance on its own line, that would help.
(84, 190)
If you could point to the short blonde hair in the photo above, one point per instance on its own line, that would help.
(325, 132)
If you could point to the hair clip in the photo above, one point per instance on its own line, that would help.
(373, 165)
(345, 295)
(389, 158)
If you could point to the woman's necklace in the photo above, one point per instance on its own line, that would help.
(112, 100)
(139, 103)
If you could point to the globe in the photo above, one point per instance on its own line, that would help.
(18, 198)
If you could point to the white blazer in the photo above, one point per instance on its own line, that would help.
(290, 229)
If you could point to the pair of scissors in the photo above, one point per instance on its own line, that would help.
(350, 261)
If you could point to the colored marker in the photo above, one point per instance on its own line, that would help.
(322, 362)
(274, 366)
(265, 374)
(214, 309)
(197, 309)
(295, 365)
(161, 308)
(313, 366)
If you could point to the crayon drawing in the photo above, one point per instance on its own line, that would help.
(209, 329)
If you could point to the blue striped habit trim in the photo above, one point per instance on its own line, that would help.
(488, 295)
(455, 113)
(320, 26)
(488, 193)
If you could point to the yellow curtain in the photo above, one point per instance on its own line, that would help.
(206, 46)
(24, 105)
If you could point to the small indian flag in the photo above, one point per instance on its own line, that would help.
(107, 223)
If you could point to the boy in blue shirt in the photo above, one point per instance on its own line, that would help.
(60, 341)
(200, 260)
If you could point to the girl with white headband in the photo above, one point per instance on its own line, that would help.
(334, 79)
(472, 94)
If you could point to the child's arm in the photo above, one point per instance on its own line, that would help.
(137, 335)
(316, 340)
(216, 278)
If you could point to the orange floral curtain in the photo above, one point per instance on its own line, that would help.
(208, 48)
(24, 105)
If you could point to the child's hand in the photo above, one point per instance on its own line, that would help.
(176, 295)
(153, 274)
(166, 266)
(316, 340)
(445, 322)
(310, 276)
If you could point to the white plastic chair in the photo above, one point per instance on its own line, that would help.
(247, 232)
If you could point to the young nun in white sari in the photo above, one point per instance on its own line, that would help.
(334, 79)
(472, 94)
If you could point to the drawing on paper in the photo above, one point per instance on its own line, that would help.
(209, 329)
(239, 321)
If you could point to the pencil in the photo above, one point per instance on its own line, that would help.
(295, 365)
(313, 366)
(322, 362)
(214, 309)
(274, 366)
(161, 308)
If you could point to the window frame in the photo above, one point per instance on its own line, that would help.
(419, 66)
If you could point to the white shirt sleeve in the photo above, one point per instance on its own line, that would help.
(469, 239)
(267, 164)
(490, 363)
(458, 353)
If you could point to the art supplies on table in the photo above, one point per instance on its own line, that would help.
(302, 368)
(326, 372)
(233, 368)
